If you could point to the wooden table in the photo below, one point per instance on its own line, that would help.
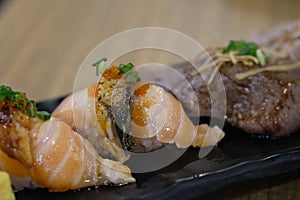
(44, 42)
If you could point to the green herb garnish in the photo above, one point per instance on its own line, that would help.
(100, 65)
(132, 76)
(6, 93)
(261, 57)
(242, 48)
(43, 115)
(126, 68)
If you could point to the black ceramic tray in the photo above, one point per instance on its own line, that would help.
(238, 158)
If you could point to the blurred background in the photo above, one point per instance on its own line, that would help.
(44, 42)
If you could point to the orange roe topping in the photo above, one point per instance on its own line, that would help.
(112, 73)
(142, 90)
(139, 115)
(141, 105)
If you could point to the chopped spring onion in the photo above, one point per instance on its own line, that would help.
(6, 93)
(261, 57)
(132, 76)
(100, 65)
(242, 48)
(126, 68)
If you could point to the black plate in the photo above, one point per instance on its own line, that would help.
(238, 158)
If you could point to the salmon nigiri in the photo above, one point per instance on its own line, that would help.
(158, 115)
(78, 110)
(39, 153)
(152, 117)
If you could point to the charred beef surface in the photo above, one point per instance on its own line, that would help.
(265, 103)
